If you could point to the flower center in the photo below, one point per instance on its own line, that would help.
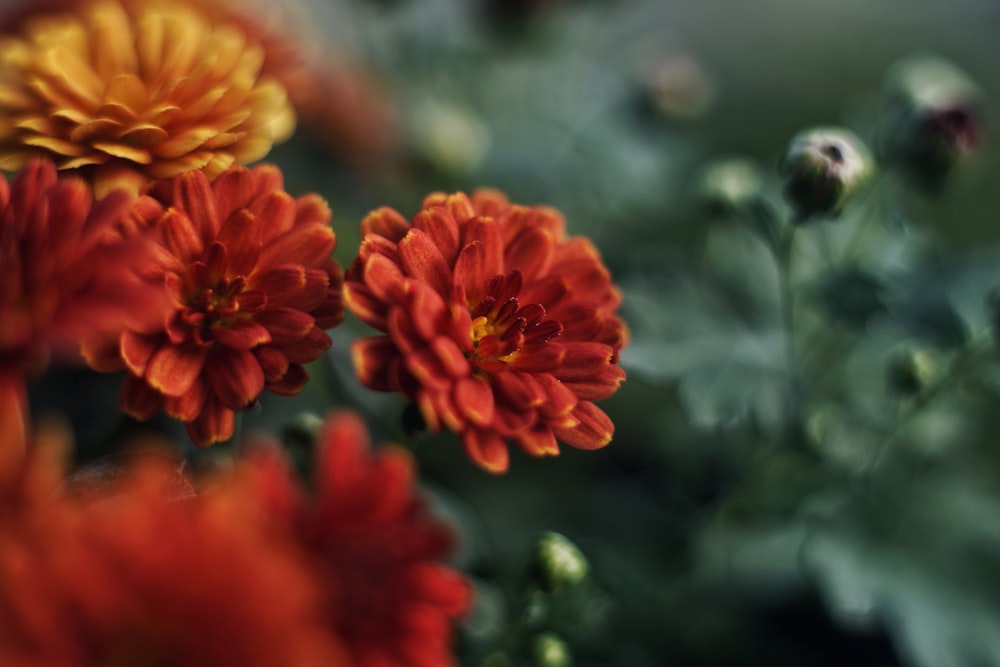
(501, 326)
(212, 307)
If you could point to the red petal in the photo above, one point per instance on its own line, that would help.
(193, 195)
(538, 441)
(373, 244)
(311, 209)
(427, 369)
(103, 353)
(173, 369)
(216, 423)
(546, 357)
(180, 235)
(439, 585)
(426, 309)
(386, 223)
(286, 325)
(308, 348)
(487, 231)
(234, 377)
(531, 252)
(308, 245)
(452, 359)
(487, 449)
(441, 229)
(584, 360)
(384, 278)
(521, 390)
(241, 235)
(241, 333)
(139, 399)
(189, 406)
(365, 306)
(474, 399)
(560, 399)
(273, 362)
(470, 271)
(233, 189)
(422, 260)
(137, 349)
(291, 383)
(376, 363)
(392, 473)
(276, 210)
(593, 431)
(280, 283)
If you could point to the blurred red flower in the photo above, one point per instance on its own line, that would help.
(497, 325)
(369, 536)
(142, 577)
(252, 287)
(66, 276)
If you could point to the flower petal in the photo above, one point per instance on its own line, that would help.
(422, 260)
(173, 369)
(593, 431)
(242, 333)
(487, 449)
(286, 325)
(216, 423)
(234, 377)
(474, 399)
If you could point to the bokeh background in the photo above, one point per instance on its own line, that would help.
(711, 540)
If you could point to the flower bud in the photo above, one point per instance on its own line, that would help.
(822, 168)
(547, 650)
(909, 371)
(932, 121)
(730, 184)
(559, 565)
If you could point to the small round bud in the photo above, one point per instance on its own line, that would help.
(822, 168)
(547, 650)
(676, 87)
(909, 371)
(558, 564)
(932, 121)
(730, 184)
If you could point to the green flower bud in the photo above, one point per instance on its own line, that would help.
(932, 121)
(302, 430)
(822, 168)
(730, 184)
(558, 564)
(909, 371)
(548, 650)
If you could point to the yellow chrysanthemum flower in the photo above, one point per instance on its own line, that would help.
(136, 91)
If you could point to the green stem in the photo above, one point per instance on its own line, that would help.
(965, 360)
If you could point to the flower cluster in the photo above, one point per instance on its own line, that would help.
(140, 574)
(496, 325)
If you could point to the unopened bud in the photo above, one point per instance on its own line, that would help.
(730, 184)
(302, 430)
(932, 120)
(909, 371)
(822, 168)
(559, 565)
(548, 650)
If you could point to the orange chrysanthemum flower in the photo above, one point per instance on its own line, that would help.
(497, 325)
(142, 577)
(63, 277)
(368, 535)
(132, 91)
(248, 273)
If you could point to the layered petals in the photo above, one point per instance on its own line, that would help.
(497, 325)
(250, 282)
(127, 91)
(368, 533)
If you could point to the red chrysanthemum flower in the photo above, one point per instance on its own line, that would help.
(142, 577)
(248, 273)
(368, 534)
(64, 276)
(497, 325)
